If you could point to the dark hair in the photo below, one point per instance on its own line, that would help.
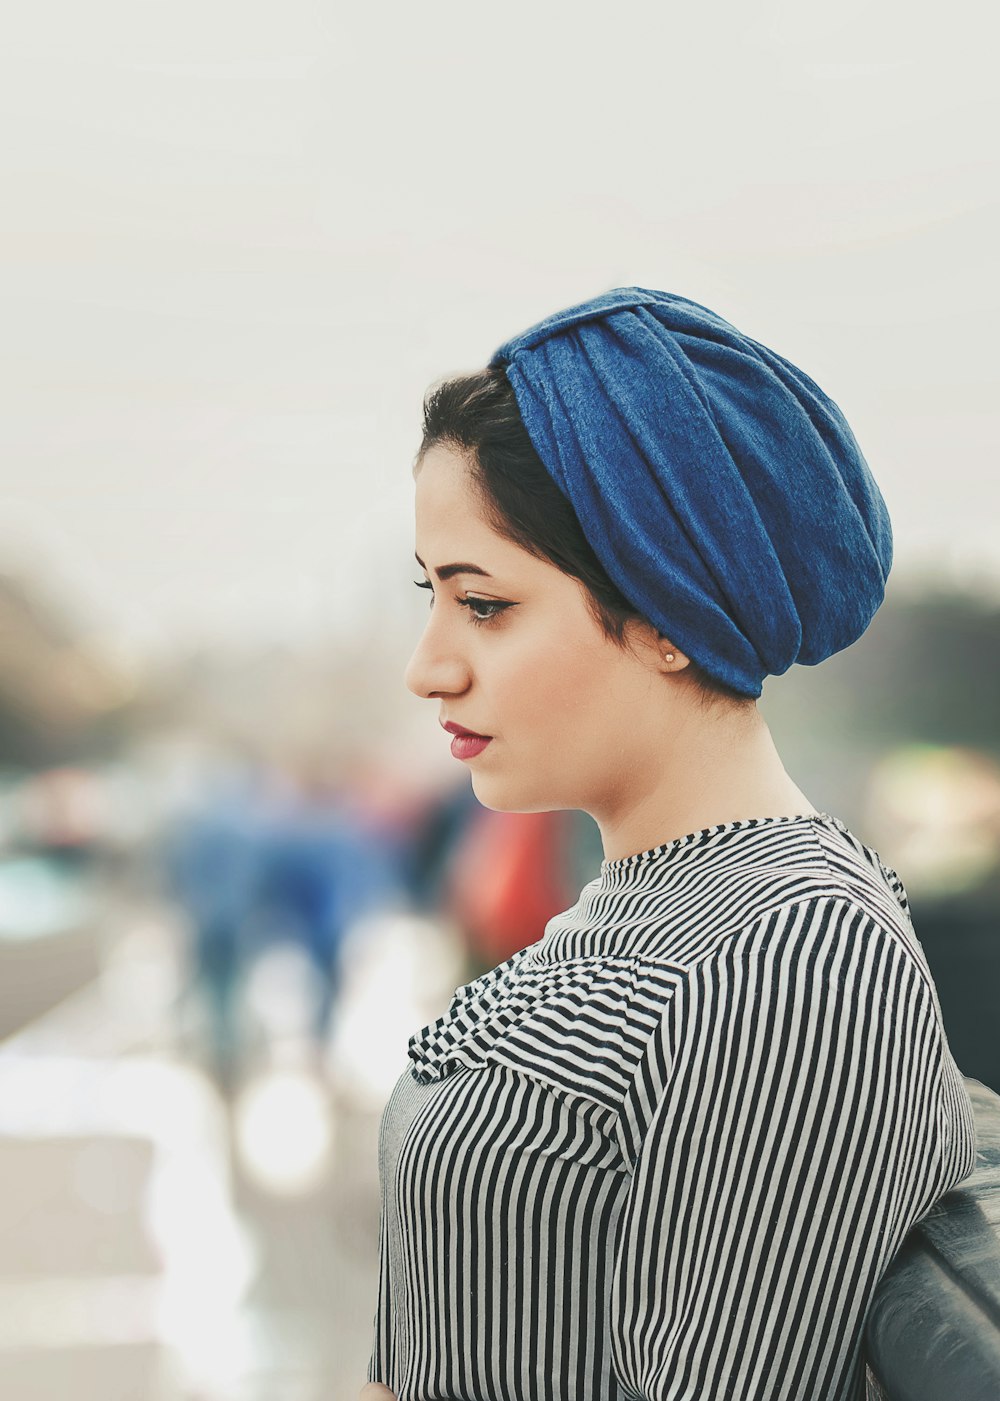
(478, 415)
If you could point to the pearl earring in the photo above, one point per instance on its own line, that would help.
(668, 656)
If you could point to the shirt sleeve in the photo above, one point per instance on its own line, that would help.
(797, 1138)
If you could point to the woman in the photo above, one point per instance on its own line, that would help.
(667, 1149)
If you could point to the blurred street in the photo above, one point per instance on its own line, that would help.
(159, 1240)
(212, 956)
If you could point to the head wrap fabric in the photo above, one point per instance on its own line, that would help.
(721, 489)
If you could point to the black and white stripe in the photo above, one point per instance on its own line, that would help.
(668, 1150)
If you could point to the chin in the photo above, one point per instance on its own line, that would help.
(502, 797)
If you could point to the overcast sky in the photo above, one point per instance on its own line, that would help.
(240, 239)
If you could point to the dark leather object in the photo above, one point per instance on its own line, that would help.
(933, 1330)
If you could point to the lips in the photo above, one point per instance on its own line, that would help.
(465, 744)
(454, 729)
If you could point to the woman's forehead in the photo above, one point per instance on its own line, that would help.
(447, 509)
(452, 528)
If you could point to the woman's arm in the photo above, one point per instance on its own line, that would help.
(795, 1143)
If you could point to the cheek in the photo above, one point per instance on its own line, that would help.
(552, 683)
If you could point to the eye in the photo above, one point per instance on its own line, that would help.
(474, 604)
(493, 607)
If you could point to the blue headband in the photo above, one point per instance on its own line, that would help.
(720, 488)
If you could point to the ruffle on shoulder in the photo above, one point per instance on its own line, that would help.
(579, 1026)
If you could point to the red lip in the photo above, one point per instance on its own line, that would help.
(454, 729)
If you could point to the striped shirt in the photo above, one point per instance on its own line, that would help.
(668, 1150)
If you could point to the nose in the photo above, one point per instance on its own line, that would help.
(436, 668)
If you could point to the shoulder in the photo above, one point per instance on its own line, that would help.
(816, 1000)
(823, 885)
(826, 963)
(816, 945)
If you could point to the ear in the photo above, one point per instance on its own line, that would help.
(661, 654)
(671, 658)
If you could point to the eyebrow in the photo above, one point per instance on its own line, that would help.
(448, 571)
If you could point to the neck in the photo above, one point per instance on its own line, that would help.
(720, 766)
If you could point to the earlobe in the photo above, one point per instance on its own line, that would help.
(668, 652)
(659, 649)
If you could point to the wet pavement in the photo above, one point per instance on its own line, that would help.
(162, 1241)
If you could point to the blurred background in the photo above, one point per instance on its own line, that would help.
(238, 864)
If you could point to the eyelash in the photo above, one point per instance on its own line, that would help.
(472, 604)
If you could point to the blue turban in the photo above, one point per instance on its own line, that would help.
(720, 488)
